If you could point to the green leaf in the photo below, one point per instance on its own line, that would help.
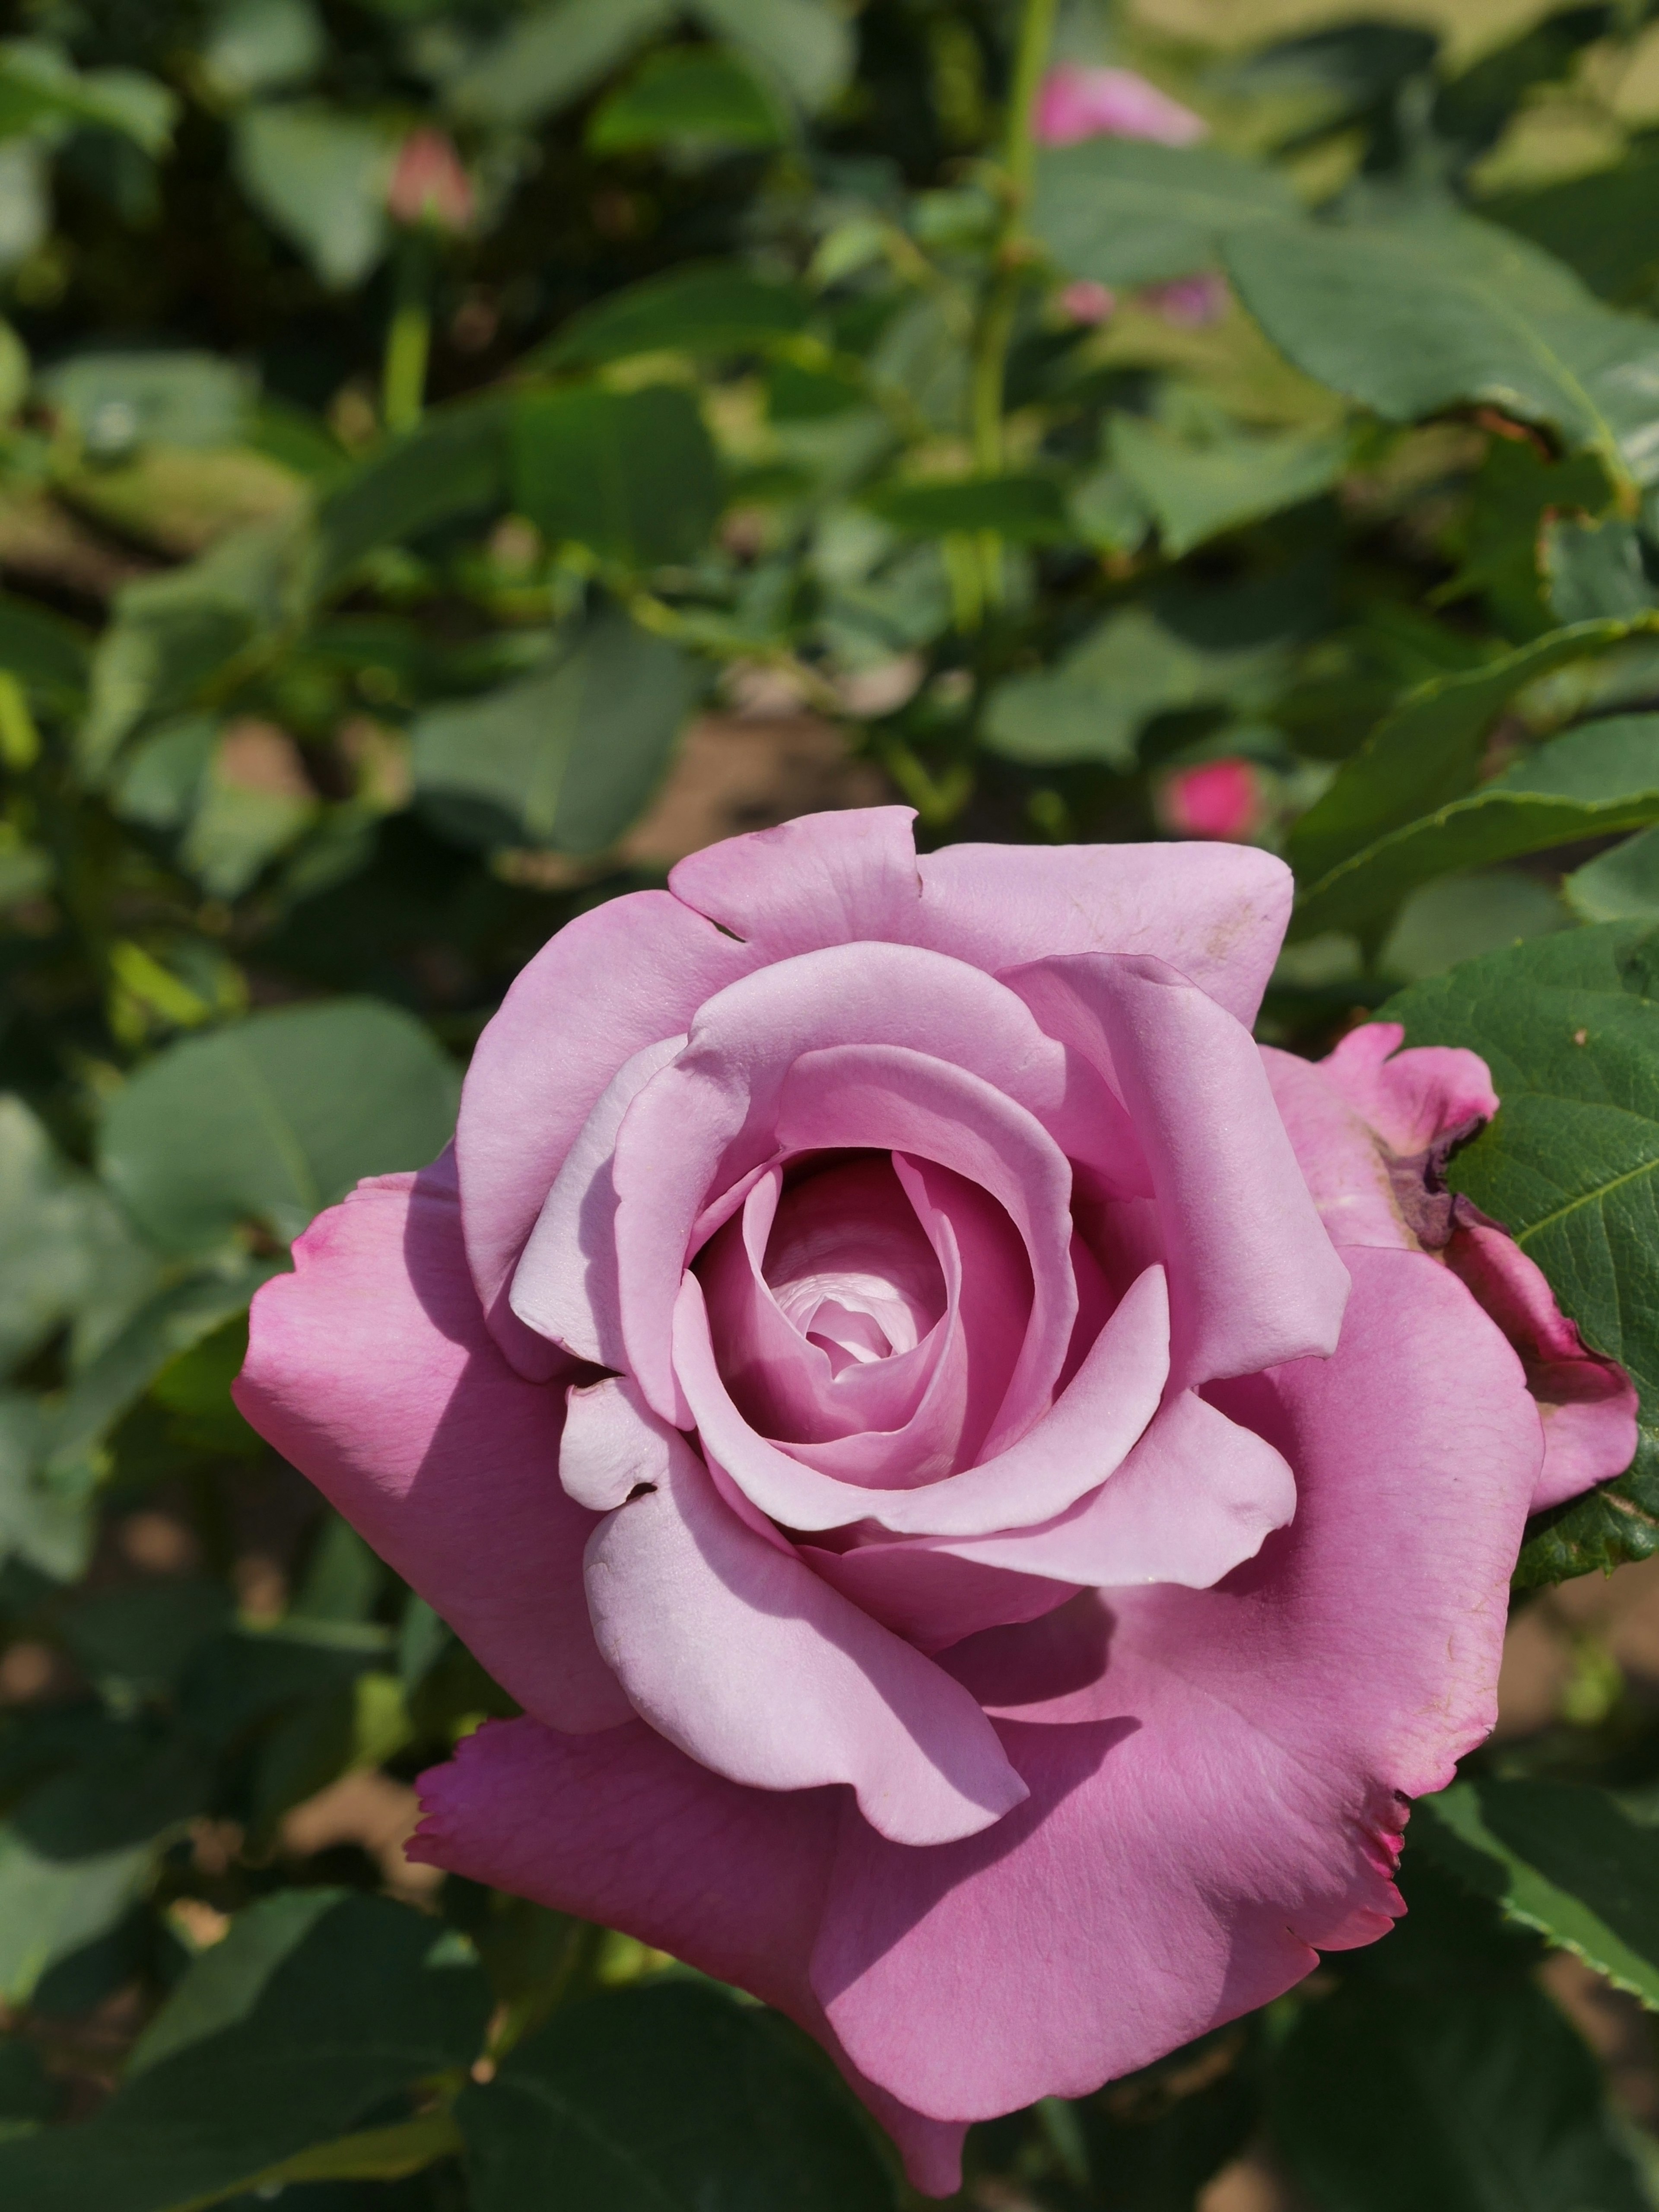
(1604, 225)
(50, 1907)
(1617, 885)
(553, 55)
(1126, 211)
(47, 1531)
(807, 45)
(669, 2098)
(1028, 509)
(455, 464)
(1412, 317)
(58, 1232)
(172, 1322)
(1196, 490)
(39, 85)
(630, 475)
(712, 308)
(1093, 703)
(318, 176)
(44, 652)
(257, 45)
(696, 97)
(1600, 778)
(274, 1118)
(1562, 1858)
(115, 401)
(1571, 1167)
(142, 1639)
(568, 757)
(1475, 2096)
(1594, 569)
(175, 631)
(314, 2010)
(1428, 750)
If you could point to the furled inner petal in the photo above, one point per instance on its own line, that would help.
(824, 1302)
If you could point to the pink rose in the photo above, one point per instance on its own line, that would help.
(1088, 303)
(1076, 103)
(1219, 798)
(988, 1529)
(1190, 303)
(429, 184)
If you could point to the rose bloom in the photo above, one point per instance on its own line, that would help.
(1217, 798)
(992, 1490)
(429, 184)
(1076, 102)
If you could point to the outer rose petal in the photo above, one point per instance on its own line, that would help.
(1254, 1278)
(1227, 1793)
(1412, 1099)
(618, 978)
(734, 1651)
(623, 1829)
(1368, 1123)
(1588, 1403)
(371, 1369)
(1216, 912)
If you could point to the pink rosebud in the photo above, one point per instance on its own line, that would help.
(1222, 799)
(994, 1602)
(1078, 103)
(1190, 302)
(429, 184)
(1086, 301)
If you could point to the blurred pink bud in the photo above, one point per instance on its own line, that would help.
(1086, 301)
(429, 184)
(1190, 301)
(1078, 103)
(1222, 799)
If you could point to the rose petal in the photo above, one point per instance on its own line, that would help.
(1071, 1452)
(624, 1830)
(821, 879)
(893, 1099)
(1412, 1099)
(1254, 1278)
(371, 1369)
(1197, 1495)
(1588, 1403)
(1216, 913)
(1338, 1155)
(931, 1599)
(703, 1123)
(618, 978)
(738, 1654)
(565, 1285)
(1226, 1794)
(610, 1445)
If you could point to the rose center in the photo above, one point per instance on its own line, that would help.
(850, 1266)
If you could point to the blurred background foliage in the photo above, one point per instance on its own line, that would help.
(457, 456)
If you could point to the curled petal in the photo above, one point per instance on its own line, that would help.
(1413, 1100)
(618, 978)
(821, 879)
(1254, 1278)
(565, 1285)
(703, 1124)
(736, 1652)
(1589, 1403)
(611, 1444)
(370, 1368)
(1216, 913)
(1197, 1495)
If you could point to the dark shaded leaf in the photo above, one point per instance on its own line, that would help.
(1125, 211)
(631, 475)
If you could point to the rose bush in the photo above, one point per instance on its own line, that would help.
(992, 1490)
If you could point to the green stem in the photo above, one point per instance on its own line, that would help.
(996, 324)
(409, 340)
